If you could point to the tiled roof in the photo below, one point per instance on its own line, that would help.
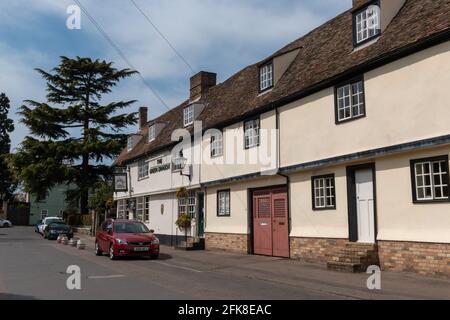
(325, 53)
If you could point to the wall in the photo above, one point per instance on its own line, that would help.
(398, 217)
(54, 203)
(398, 97)
(227, 166)
(306, 222)
(237, 223)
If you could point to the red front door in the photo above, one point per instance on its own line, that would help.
(270, 222)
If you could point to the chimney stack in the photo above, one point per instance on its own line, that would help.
(200, 84)
(143, 117)
(359, 3)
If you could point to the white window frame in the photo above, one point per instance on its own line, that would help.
(324, 192)
(266, 76)
(224, 203)
(252, 133)
(188, 115)
(425, 175)
(192, 203)
(182, 206)
(130, 144)
(367, 24)
(152, 133)
(147, 210)
(216, 145)
(140, 203)
(143, 169)
(44, 214)
(350, 101)
(121, 204)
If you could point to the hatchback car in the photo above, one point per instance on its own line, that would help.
(5, 223)
(46, 222)
(124, 238)
(58, 228)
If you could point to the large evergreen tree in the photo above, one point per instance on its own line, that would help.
(73, 133)
(6, 127)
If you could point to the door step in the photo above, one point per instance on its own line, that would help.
(354, 257)
(191, 244)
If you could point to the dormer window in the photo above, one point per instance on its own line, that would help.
(188, 114)
(152, 133)
(130, 143)
(266, 76)
(366, 23)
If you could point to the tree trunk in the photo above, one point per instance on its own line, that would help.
(84, 195)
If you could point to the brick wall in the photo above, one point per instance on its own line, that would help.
(423, 258)
(226, 241)
(315, 250)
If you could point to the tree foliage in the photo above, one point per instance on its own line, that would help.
(7, 185)
(74, 131)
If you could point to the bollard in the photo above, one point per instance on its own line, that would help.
(64, 240)
(72, 242)
(81, 245)
(58, 240)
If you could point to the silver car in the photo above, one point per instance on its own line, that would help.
(5, 223)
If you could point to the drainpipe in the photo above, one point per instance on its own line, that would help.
(288, 179)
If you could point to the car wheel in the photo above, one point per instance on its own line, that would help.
(154, 256)
(112, 256)
(98, 252)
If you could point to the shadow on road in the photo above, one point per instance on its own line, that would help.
(7, 296)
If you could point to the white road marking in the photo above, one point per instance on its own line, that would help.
(179, 267)
(107, 277)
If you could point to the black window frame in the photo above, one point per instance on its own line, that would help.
(313, 198)
(258, 118)
(413, 163)
(359, 78)
(218, 201)
(260, 90)
(357, 44)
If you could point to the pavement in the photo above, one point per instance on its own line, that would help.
(34, 268)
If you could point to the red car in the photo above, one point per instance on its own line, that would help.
(123, 238)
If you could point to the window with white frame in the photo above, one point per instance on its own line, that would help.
(121, 209)
(188, 115)
(266, 77)
(147, 210)
(367, 24)
(140, 209)
(192, 203)
(350, 101)
(223, 203)
(430, 179)
(216, 144)
(251, 133)
(152, 133)
(44, 214)
(323, 192)
(182, 206)
(130, 143)
(143, 169)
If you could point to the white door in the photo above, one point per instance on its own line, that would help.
(365, 206)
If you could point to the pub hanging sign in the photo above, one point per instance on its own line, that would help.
(120, 180)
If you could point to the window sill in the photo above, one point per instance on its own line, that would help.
(338, 122)
(142, 179)
(431, 201)
(325, 209)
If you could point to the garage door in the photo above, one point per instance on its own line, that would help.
(270, 222)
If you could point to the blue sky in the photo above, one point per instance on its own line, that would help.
(221, 36)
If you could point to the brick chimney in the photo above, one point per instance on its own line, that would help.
(143, 117)
(359, 3)
(200, 84)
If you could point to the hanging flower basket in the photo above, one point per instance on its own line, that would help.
(184, 221)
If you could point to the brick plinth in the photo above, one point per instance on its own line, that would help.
(226, 241)
(423, 258)
(315, 250)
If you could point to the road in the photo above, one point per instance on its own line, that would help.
(34, 268)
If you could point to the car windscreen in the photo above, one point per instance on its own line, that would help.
(130, 228)
(50, 221)
(58, 224)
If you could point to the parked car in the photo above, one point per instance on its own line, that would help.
(37, 225)
(46, 222)
(122, 238)
(5, 223)
(54, 229)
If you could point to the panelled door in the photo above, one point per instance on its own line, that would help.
(365, 206)
(270, 222)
